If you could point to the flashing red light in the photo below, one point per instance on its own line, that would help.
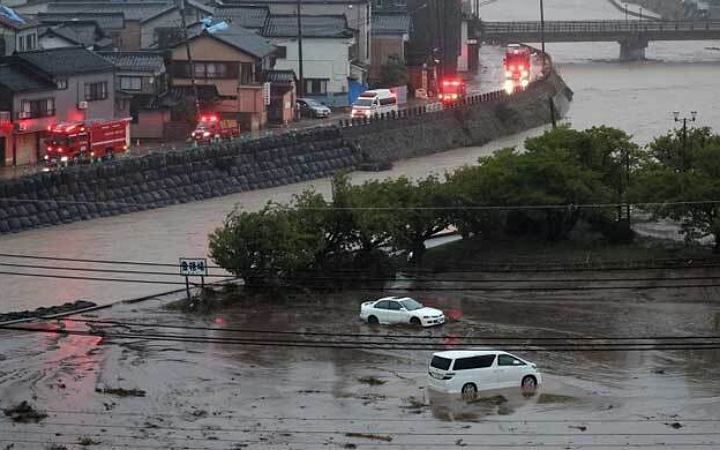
(203, 119)
(59, 149)
(213, 118)
(521, 67)
(49, 149)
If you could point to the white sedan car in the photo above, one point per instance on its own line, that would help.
(400, 310)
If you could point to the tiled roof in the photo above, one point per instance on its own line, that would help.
(66, 61)
(238, 37)
(246, 16)
(17, 78)
(106, 21)
(280, 75)
(130, 10)
(83, 33)
(312, 26)
(136, 61)
(390, 23)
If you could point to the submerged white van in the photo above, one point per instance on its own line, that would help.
(468, 371)
(374, 102)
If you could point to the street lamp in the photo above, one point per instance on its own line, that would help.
(626, 12)
(684, 120)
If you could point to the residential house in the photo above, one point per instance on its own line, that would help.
(75, 33)
(110, 25)
(390, 34)
(356, 12)
(43, 87)
(140, 83)
(327, 41)
(164, 27)
(17, 32)
(231, 59)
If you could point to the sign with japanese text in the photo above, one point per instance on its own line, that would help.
(193, 267)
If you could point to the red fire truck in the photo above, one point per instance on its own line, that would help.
(452, 90)
(87, 140)
(517, 62)
(210, 128)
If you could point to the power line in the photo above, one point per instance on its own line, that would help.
(130, 272)
(360, 345)
(387, 336)
(97, 261)
(415, 208)
(113, 280)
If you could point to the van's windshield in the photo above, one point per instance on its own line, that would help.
(441, 363)
(364, 102)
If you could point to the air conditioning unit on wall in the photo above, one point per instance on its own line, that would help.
(82, 105)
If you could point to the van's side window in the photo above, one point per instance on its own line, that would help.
(507, 360)
(474, 362)
(388, 101)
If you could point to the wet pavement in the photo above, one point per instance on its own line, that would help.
(212, 387)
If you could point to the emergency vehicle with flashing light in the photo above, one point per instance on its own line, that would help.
(86, 140)
(211, 128)
(452, 90)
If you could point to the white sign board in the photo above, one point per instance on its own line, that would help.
(193, 267)
(266, 93)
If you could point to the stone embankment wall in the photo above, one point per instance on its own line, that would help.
(157, 180)
(483, 119)
(154, 181)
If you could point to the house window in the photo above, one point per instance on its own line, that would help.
(215, 70)
(20, 44)
(316, 86)
(30, 42)
(281, 52)
(30, 109)
(96, 91)
(131, 83)
(61, 84)
(246, 73)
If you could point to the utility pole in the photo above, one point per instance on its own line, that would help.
(301, 78)
(183, 23)
(542, 26)
(684, 120)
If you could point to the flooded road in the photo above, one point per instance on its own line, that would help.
(209, 387)
(637, 97)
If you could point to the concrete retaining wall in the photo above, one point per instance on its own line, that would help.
(154, 181)
(475, 123)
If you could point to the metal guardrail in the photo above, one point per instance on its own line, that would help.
(597, 26)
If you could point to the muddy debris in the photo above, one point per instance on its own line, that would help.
(349, 445)
(460, 443)
(675, 425)
(57, 447)
(495, 400)
(372, 381)
(24, 413)
(122, 392)
(659, 371)
(373, 436)
(87, 441)
(46, 311)
(578, 427)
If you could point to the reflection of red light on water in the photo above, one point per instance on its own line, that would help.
(451, 340)
(219, 321)
(454, 314)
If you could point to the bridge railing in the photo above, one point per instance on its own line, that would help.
(596, 26)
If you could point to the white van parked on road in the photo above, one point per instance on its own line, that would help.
(375, 102)
(468, 371)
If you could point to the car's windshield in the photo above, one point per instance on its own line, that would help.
(364, 102)
(439, 362)
(410, 304)
(311, 102)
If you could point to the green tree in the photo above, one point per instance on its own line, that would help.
(264, 247)
(393, 72)
(683, 182)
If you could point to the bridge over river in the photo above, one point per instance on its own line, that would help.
(632, 35)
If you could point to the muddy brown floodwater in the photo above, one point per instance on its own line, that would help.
(142, 392)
